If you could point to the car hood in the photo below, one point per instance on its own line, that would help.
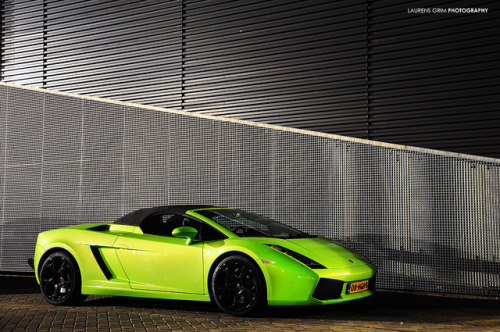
(328, 253)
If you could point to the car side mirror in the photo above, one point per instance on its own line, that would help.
(189, 233)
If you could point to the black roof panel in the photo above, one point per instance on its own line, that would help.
(136, 217)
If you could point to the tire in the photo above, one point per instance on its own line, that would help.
(238, 287)
(60, 280)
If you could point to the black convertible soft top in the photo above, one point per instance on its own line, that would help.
(136, 217)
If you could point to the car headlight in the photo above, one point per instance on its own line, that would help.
(301, 258)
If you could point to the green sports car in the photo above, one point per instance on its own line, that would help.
(239, 260)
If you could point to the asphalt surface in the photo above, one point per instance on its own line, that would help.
(22, 308)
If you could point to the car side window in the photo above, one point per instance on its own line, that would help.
(211, 234)
(163, 224)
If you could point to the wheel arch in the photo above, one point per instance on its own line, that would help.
(232, 253)
(55, 248)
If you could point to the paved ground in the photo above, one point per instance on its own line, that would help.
(23, 309)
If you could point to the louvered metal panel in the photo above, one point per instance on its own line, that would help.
(297, 63)
(22, 42)
(433, 78)
(126, 50)
(361, 68)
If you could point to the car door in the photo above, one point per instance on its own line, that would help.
(158, 261)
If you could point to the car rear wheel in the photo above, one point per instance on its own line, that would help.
(60, 281)
(238, 287)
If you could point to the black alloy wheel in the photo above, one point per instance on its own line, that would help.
(60, 279)
(237, 286)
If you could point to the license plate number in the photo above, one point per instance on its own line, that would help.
(356, 287)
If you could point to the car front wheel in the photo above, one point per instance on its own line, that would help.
(60, 279)
(238, 287)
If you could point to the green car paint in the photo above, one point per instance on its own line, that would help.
(118, 259)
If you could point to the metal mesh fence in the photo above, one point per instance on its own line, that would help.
(429, 220)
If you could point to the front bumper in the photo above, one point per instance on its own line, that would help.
(322, 286)
(330, 291)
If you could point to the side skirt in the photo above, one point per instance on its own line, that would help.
(99, 290)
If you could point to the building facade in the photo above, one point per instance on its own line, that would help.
(419, 73)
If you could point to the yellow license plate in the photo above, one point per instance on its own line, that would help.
(356, 287)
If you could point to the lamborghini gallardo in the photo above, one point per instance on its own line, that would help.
(239, 260)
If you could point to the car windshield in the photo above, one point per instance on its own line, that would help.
(247, 224)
